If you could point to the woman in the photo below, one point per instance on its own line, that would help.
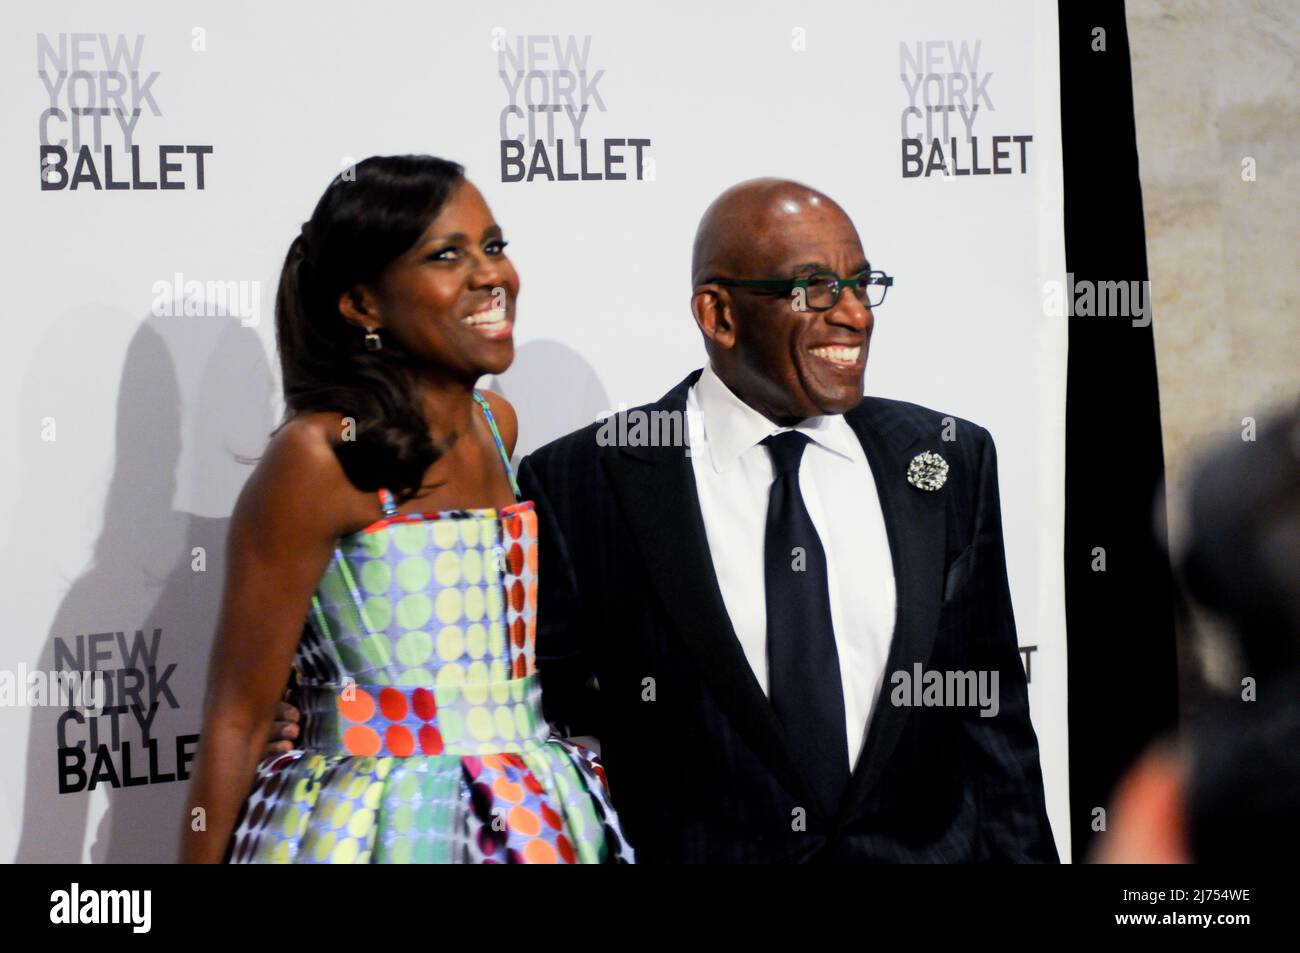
(385, 513)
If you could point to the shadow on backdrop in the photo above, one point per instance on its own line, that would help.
(154, 571)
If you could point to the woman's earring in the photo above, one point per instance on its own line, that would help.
(372, 340)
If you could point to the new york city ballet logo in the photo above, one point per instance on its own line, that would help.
(113, 737)
(98, 92)
(546, 126)
(947, 98)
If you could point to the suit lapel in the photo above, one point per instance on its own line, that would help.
(656, 486)
(915, 525)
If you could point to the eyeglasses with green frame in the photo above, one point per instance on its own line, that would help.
(821, 289)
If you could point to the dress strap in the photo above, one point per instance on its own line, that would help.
(496, 436)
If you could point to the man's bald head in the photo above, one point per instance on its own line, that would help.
(742, 225)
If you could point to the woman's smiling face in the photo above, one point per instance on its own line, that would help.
(450, 299)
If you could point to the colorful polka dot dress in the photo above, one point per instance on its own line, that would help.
(423, 739)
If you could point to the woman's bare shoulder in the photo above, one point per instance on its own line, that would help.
(305, 443)
(314, 428)
(301, 472)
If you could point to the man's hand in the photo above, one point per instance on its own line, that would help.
(284, 730)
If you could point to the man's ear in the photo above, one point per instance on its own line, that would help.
(358, 305)
(712, 310)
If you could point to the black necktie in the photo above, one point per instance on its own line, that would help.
(803, 667)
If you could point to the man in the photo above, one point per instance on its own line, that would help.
(727, 620)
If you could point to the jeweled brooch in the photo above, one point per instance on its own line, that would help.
(927, 471)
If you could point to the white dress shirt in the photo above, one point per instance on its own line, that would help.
(733, 475)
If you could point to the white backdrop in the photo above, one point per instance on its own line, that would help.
(127, 424)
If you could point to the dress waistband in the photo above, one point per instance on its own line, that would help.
(390, 721)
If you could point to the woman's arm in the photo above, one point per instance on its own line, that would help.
(282, 533)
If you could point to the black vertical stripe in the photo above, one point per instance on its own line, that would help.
(1119, 623)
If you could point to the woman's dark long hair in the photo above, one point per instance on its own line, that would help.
(369, 215)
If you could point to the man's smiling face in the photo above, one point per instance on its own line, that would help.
(788, 364)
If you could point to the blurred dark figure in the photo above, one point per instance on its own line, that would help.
(1229, 788)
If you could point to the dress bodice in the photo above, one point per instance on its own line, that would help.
(426, 614)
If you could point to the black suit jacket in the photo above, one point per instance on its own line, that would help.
(634, 646)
